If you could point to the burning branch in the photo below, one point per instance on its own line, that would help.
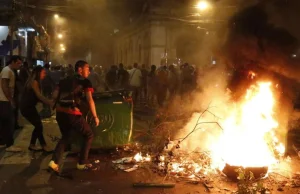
(197, 123)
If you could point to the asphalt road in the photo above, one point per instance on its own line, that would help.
(26, 172)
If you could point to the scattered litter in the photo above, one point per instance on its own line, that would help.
(126, 160)
(135, 167)
(121, 167)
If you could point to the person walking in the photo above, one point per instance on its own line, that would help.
(7, 103)
(69, 117)
(30, 97)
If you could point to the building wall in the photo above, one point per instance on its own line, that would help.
(125, 49)
(145, 44)
(160, 41)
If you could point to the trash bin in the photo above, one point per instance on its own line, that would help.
(115, 112)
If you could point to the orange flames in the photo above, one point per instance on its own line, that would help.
(248, 137)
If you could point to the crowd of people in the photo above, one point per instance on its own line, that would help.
(152, 86)
(64, 90)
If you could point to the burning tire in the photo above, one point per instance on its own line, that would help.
(258, 172)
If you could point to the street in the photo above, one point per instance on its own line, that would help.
(26, 172)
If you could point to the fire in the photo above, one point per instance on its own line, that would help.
(248, 137)
(139, 158)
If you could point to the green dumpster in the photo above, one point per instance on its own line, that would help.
(115, 112)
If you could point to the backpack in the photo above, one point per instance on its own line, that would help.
(68, 92)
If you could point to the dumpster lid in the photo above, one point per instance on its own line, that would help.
(110, 93)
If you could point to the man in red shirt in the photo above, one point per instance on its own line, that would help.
(69, 95)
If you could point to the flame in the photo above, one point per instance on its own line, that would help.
(147, 158)
(138, 157)
(251, 74)
(248, 137)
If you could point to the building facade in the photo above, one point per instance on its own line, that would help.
(169, 35)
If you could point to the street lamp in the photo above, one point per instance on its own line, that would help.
(202, 5)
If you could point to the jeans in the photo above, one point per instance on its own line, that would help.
(7, 123)
(32, 115)
(68, 124)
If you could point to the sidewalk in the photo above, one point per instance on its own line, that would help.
(23, 138)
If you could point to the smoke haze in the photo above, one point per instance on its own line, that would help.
(257, 40)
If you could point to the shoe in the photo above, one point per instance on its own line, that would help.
(35, 148)
(85, 167)
(53, 167)
(47, 149)
(13, 149)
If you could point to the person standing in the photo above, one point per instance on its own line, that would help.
(7, 103)
(152, 86)
(94, 79)
(162, 84)
(30, 97)
(173, 81)
(24, 73)
(69, 117)
(123, 77)
(144, 92)
(111, 78)
(135, 82)
(17, 91)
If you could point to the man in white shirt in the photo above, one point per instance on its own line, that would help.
(7, 85)
(135, 81)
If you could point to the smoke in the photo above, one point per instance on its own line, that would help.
(212, 105)
(253, 42)
(91, 27)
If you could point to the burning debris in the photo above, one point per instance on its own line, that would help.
(242, 139)
(244, 149)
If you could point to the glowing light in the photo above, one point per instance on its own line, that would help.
(56, 16)
(61, 45)
(60, 36)
(202, 5)
(62, 49)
